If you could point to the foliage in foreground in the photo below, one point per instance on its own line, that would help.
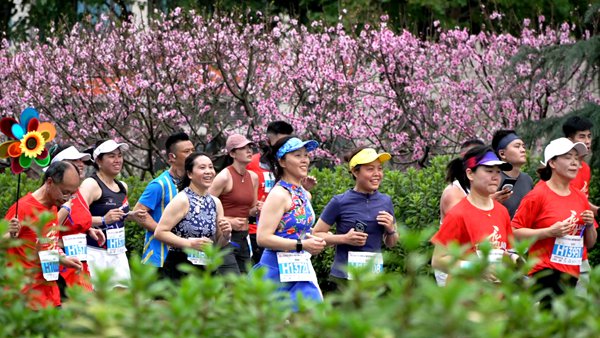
(389, 305)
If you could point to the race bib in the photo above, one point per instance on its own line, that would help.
(295, 267)
(361, 259)
(197, 257)
(567, 250)
(49, 262)
(269, 181)
(76, 246)
(115, 241)
(494, 256)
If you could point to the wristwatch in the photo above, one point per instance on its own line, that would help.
(298, 245)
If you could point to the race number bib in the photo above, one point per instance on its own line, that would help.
(49, 262)
(567, 250)
(76, 246)
(494, 256)
(269, 181)
(197, 257)
(361, 259)
(115, 241)
(295, 267)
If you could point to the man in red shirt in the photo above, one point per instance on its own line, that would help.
(578, 129)
(35, 253)
(266, 180)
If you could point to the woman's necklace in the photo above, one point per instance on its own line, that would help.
(243, 176)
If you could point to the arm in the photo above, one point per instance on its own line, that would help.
(441, 259)
(590, 235)
(254, 209)
(147, 223)
(352, 237)
(450, 197)
(219, 185)
(557, 229)
(173, 214)
(223, 235)
(390, 235)
(271, 214)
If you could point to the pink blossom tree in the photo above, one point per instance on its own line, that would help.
(210, 77)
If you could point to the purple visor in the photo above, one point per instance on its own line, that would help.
(489, 160)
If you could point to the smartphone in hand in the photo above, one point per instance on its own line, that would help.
(360, 226)
(507, 184)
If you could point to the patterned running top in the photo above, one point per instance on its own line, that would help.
(200, 220)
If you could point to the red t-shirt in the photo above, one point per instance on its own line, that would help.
(466, 224)
(80, 222)
(582, 181)
(540, 209)
(266, 181)
(41, 293)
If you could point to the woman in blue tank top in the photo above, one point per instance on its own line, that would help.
(193, 219)
(285, 222)
(107, 200)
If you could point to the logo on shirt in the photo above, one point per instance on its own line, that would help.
(573, 220)
(495, 239)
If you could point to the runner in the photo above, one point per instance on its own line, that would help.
(237, 187)
(363, 216)
(559, 219)
(579, 129)
(193, 219)
(266, 180)
(76, 221)
(157, 195)
(284, 227)
(40, 256)
(476, 218)
(514, 183)
(107, 198)
(456, 190)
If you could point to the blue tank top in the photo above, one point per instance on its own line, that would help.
(200, 220)
(108, 200)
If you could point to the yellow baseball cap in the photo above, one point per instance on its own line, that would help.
(368, 155)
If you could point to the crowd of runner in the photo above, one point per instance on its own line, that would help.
(258, 211)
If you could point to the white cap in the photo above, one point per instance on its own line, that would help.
(561, 146)
(71, 153)
(109, 146)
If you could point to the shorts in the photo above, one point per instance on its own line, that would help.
(99, 259)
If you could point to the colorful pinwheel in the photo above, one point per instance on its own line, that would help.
(27, 140)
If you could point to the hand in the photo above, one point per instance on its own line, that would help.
(238, 223)
(71, 262)
(355, 238)
(225, 227)
(138, 216)
(502, 195)
(200, 243)
(587, 217)
(309, 182)
(386, 220)
(314, 245)
(113, 216)
(97, 235)
(14, 227)
(490, 274)
(560, 229)
(259, 205)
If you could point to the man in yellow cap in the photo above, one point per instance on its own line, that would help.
(364, 217)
